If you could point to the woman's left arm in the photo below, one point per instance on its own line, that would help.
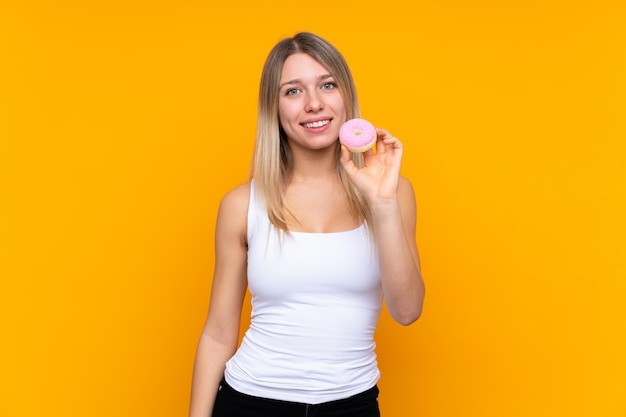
(394, 228)
(392, 203)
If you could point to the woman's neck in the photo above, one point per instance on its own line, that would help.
(310, 165)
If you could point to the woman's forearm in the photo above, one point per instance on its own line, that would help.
(210, 362)
(394, 231)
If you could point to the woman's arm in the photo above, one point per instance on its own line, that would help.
(392, 203)
(394, 225)
(220, 334)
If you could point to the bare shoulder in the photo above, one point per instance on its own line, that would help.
(406, 198)
(237, 199)
(233, 211)
(405, 189)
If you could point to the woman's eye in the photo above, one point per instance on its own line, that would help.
(328, 86)
(291, 92)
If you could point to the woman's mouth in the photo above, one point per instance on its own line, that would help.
(316, 124)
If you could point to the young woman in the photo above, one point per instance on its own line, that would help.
(319, 236)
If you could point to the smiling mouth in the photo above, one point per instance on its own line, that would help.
(319, 123)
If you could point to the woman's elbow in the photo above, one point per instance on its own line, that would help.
(409, 313)
(408, 316)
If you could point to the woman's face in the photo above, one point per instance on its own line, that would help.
(310, 106)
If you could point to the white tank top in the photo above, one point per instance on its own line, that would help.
(316, 300)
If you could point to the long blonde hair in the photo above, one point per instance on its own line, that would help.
(271, 161)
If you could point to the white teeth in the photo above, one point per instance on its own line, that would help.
(316, 124)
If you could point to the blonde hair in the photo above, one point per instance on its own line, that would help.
(271, 161)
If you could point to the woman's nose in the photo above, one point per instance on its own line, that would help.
(314, 102)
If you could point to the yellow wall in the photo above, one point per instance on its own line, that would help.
(123, 122)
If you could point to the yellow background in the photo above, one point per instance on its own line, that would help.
(122, 123)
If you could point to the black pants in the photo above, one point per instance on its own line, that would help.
(231, 403)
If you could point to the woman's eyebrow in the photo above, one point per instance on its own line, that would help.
(298, 81)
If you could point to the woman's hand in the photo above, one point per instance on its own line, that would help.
(378, 179)
(392, 203)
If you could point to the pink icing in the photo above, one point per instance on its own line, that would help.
(357, 132)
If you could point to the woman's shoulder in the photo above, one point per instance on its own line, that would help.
(234, 204)
(405, 185)
(238, 194)
(406, 196)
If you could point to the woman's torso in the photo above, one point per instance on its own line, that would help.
(316, 299)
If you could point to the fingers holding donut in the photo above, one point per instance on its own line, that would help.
(386, 141)
(360, 136)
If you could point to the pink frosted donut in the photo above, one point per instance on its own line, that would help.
(358, 135)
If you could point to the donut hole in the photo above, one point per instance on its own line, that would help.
(357, 132)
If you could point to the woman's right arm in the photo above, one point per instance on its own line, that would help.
(220, 334)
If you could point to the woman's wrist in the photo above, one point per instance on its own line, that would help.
(384, 208)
